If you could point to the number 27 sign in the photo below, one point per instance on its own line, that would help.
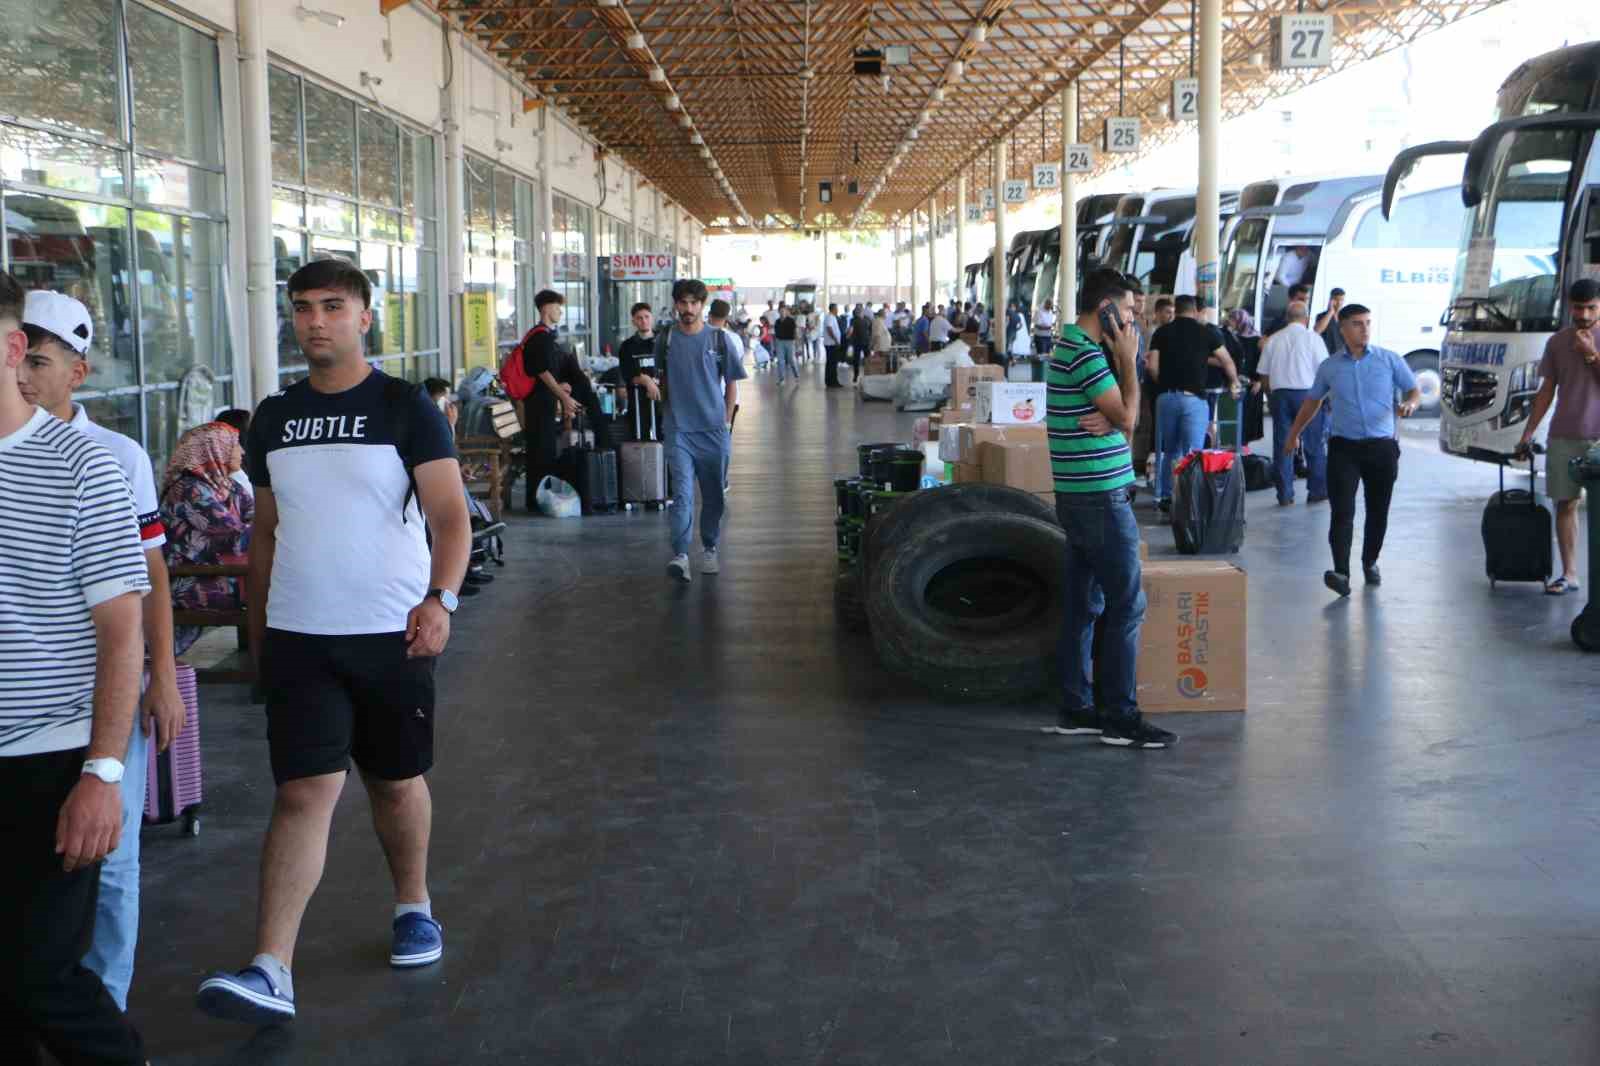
(1305, 41)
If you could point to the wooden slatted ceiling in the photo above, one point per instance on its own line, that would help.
(736, 68)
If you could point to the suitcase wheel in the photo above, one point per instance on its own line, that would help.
(191, 823)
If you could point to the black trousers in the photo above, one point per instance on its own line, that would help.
(544, 432)
(1374, 463)
(830, 375)
(47, 996)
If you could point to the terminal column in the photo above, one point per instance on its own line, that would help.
(1067, 273)
(1208, 208)
(961, 238)
(997, 309)
(933, 260)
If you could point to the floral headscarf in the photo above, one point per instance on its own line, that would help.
(204, 452)
(1242, 323)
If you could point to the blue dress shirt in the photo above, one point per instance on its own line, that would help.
(1363, 391)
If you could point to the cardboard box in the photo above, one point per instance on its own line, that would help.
(1022, 466)
(964, 385)
(877, 363)
(1192, 650)
(950, 441)
(979, 353)
(971, 436)
(1010, 402)
(963, 472)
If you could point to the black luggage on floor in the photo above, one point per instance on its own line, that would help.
(1257, 473)
(1208, 504)
(1516, 533)
(595, 477)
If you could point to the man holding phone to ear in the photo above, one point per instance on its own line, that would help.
(1093, 402)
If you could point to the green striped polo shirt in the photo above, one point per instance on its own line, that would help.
(1081, 461)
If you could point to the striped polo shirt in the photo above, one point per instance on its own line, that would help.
(1081, 461)
(71, 543)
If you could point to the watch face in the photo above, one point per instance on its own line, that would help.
(449, 599)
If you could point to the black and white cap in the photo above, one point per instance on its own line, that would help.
(61, 315)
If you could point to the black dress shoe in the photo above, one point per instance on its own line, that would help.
(469, 589)
(479, 577)
(1372, 575)
(1336, 581)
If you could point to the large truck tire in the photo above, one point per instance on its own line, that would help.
(1425, 367)
(970, 606)
(930, 506)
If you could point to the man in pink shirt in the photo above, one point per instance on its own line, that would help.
(1570, 378)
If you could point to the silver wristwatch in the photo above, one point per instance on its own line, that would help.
(107, 769)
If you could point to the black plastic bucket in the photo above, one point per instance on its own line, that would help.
(905, 470)
(864, 455)
(841, 495)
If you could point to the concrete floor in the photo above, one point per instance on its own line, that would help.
(696, 825)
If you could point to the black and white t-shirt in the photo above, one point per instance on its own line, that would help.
(351, 555)
(71, 543)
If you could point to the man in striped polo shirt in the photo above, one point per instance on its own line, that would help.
(1092, 406)
(72, 576)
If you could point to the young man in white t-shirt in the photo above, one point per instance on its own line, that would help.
(349, 606)
(60, 334)
(71, 579)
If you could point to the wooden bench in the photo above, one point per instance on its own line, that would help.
(236, 668)
(505, 457)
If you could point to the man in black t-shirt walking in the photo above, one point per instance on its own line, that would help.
(348, 609)
(1176, 362)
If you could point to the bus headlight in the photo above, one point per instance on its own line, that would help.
(1521, 387)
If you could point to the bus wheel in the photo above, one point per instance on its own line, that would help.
(1425, 365)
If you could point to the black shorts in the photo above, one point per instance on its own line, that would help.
(331, 699)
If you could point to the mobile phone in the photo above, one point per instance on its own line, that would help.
(1111, 319)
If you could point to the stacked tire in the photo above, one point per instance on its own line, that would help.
(962, 587)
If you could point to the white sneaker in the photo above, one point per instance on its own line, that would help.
(709, 564)
(679, 568)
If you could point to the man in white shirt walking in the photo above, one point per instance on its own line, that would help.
(1288, 369)
(60, 333)
(938, 332)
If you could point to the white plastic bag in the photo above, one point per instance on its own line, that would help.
(556, 499)
(846, 375)
(924, 383)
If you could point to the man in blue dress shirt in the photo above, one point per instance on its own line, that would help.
(1363, 446)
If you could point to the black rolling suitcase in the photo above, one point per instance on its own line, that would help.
(595, 478)
(1516, 533)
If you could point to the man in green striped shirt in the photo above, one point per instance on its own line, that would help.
(1092, 404)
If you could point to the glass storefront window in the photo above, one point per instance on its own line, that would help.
(33, 157)
(330, 140)
(368, 196)
(61, 60)
(181, 276)
(177, 107)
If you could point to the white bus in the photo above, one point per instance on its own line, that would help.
(1331, 233)
(1531, 186)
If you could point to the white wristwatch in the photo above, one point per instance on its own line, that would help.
(107, 770)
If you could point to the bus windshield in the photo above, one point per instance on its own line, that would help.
(1243, 264)
(1044, 286)
(1161, 246)
(1522, 214)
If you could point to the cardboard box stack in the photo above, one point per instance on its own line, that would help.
(1009, 402)
(964, 382)
(1192, 650)
(1024, 466)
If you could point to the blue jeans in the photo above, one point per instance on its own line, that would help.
(1181, 420)
(786, 361)
(697, 456)
(1102, 580)
(1285, 405)
(116, 915)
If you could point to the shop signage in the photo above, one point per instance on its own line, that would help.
(643, 266)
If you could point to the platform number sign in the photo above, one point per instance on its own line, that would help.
(1186, 99)
(974, 213)
(1122, 134)
(1015, 192)
(1305, 41)
(1080, 158)
(987, 196)
(1047, 176)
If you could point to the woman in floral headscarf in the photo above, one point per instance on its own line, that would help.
(207, 515)
(1243, 341)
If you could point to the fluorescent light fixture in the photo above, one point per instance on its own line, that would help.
(657, 75)
(958, 68)
(806, 74)
(705, 153)
(938, 94)
(636, 41)
(695, 138)
(979, 33)
(672, 102)
(607, 3)
(896, 55)
(684, 120)
(327, 18)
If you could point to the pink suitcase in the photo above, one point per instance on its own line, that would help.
(172, 782)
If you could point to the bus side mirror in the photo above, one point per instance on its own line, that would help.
(1407, 161)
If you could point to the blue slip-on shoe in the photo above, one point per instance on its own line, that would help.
(418, 940)
(250, 996)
